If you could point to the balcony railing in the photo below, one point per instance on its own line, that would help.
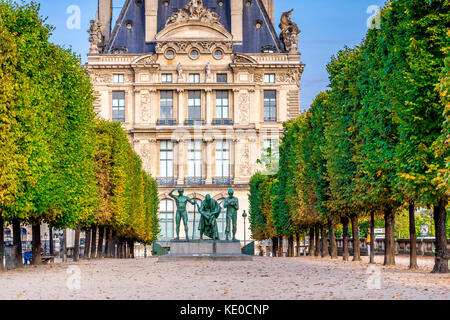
(194, 122)
(167, 181)
(226, 122)
(193, 181)
(223, 181)
(166, 122)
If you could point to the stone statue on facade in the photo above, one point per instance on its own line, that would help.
(209, 211)
(180, 72)
(181, 201)
(289, 32)
(194, 10)
(208, 72)
(95, 37)
(231, 205)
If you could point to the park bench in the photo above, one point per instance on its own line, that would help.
(28, 256)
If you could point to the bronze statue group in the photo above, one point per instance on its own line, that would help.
(209, 213)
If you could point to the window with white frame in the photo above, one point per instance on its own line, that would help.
(223, 159)
(166, 78)
(194, 105)
(194, 78)
(166, 219)
(166, 105)
(270, 105)
(271, 149)
(118, 106)
(118, 79)
(193, 220)
(221, 220)
(222, 104)
(166, 159)
(269, 78)
(195, 159)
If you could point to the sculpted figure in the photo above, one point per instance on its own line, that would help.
(181, 201)
(95, 37)
(209, 211)
(289, 32)
(180, 71)
(231, 204)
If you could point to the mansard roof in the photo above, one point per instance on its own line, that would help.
(133, 41)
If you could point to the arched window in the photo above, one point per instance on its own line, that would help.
(222, 220)
(194, 220)
(166, 219)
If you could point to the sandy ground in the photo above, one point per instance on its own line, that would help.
(265, 278)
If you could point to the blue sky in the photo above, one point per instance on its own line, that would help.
(327, 26)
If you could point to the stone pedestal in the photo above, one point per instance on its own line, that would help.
(206, 250)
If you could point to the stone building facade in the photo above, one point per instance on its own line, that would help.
(202, 88)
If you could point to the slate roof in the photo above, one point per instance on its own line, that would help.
(254, 40)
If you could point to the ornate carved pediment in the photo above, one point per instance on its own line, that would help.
(194, 22)
(202, 46)
(241, 58)
(194, 10)
(145, 60)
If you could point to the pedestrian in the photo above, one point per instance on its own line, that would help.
(368, 240)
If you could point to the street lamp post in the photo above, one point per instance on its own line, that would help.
(244, 215)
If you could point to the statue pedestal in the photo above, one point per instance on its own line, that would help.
(207, 250)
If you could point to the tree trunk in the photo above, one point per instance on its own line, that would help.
(325, 253)
(280, 247)
(17, 241)
(291, 246)
(116, 246)
(120, 249)
(332, 238)
(312, 247)
(132, 249)
(101, 231)
(274, 246)
(51, 243)
(2, 242)
(317, 240)
(442, 254)
(94, 243)
(297, 239)
(36, 244)
(412, 237)
(389, 223)
(76, 248)
(356, 243)
(372, 238)
(111, 244)
(87, 244)
(65, 245)
(345, 254)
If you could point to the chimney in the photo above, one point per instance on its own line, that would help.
(105, 17)
(269, 4)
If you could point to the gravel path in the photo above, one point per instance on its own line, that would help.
(265, 278)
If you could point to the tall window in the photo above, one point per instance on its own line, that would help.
(222, 78)
(194, 78)
(166, 219)
(222, 159)
(118, 106)
(166, 105)
(269, 78)
(166, 159)
(193, 220)
(118, 79)
(195, 159)
(222, 105)
(270, 153)
(270, 105)
(166, 78)
(194, 105)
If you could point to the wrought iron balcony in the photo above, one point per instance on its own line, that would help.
(193, 181)
(166, 122)
(226, 122)
(223, 181)
(167, 181)
(194, 122)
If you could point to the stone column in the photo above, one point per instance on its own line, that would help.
(180, 107)
(151, 15)
(209, 107)
(237, 8)
(181, 160)
(209, 143)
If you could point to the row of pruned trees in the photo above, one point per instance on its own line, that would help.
(375, 143)
(58, 164)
